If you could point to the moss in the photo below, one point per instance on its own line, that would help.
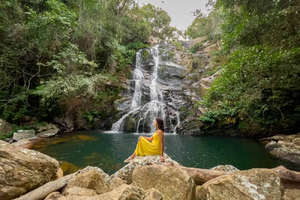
(183, 109)
(171, 55)
(196, 47)
(130, 124)
(145, 54)
(161, 71)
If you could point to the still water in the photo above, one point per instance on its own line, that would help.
(109, 150)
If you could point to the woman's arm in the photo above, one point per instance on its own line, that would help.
(147, 138)
(162, 143)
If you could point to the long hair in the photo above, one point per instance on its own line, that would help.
(160, 123)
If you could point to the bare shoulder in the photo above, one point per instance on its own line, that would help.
(160, 132)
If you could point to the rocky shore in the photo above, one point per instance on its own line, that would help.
(27, 174)
(284, 147)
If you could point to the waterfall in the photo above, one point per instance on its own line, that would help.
(177, 113)
(147, 112)
(156, 98)
(137, 79)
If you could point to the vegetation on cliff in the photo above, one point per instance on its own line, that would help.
(258, 90)
(59, 57)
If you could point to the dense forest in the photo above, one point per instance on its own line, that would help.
(258, 91)
(62, 56)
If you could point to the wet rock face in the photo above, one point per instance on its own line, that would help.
(157, 87)
(179, 84)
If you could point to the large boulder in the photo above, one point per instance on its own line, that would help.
(5, 127)
(125, 173)
(89, 180)
(22, 170)
(47, 130)
(254, 184)
(172, 182)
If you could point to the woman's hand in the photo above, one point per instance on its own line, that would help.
(140, 138)
(162, 158)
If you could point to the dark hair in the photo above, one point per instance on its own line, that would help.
(160, 123)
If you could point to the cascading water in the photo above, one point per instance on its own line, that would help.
(150, 110)
(137, 79)
(177, 114)
(137, 76)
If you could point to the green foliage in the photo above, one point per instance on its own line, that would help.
(256, 83)
(178, 44)
(260, 80)
(90, 115)
(228, 116)
(206, 25)
(55, 53)
(11, 109)
(196, 47)
(252, 23)
(136, 46)
(15, 128)
(157, 19)
(209, 73)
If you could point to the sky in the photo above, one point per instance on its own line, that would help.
(178, 10)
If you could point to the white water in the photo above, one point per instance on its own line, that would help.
(137, 78)
(177, 114)
(152, 109)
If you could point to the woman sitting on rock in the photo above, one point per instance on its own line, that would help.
(153, 145)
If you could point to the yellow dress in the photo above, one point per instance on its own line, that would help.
(145, 147)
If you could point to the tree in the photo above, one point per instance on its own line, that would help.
(206, 25)
(258, 86)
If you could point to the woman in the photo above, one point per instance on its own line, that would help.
(146, 147)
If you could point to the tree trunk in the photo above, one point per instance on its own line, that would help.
(44, 190)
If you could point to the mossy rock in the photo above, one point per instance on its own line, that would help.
(145, 54)
(131, 124)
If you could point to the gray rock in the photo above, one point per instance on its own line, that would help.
(48, 130)
(24, 134)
